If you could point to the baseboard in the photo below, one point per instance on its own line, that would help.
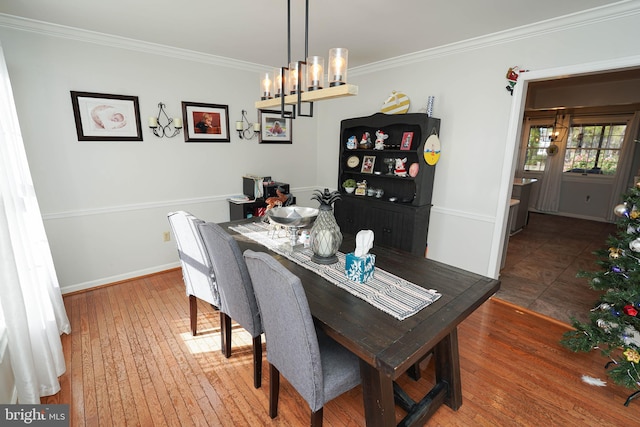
(527, 311)
(114, 280)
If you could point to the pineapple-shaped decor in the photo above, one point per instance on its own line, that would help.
(326, 237)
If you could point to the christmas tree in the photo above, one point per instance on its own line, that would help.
(614, 322)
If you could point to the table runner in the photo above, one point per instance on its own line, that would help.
(385, 291)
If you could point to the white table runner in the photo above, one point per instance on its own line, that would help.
(385, 291)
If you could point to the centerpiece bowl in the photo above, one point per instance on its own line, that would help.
(293, 218)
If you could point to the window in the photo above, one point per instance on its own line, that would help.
(539, 139)
(593, 146)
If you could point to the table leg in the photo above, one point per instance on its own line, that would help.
(447, 359)
(377, 394)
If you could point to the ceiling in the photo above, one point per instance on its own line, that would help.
(255, 30)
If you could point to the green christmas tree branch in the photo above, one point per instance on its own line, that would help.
(614, 322)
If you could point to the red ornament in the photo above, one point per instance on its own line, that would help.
(629, 310)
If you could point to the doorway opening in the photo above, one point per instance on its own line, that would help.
(514, 132)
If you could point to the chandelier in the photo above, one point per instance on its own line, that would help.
(304, 81)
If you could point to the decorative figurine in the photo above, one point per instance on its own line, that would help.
(512, 78)
(352, 143)
(380, 137)
(400, 168)
(281, 199)
(366, 143)
(325, 234)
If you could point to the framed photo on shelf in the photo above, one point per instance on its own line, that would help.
(106, 117)
(407, 137)
(205, 122)
(273, 128)
(367, 164)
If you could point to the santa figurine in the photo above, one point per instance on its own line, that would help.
(365, 142)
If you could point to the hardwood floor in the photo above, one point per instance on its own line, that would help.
(131, 360)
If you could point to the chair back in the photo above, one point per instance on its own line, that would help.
(197, 271)
(292, 343)
(237, 299)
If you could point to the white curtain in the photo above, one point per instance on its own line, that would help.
(30, 296)
(549, 193)
(621, 182)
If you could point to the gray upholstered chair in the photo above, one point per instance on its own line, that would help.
(318, 367)
(197, 271)
(237, 300)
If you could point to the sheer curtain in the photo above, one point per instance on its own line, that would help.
(624, 165)
(29, 292)
(549, 193)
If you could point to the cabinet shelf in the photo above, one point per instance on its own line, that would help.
(402, 223)
(381, 175)
(384, 200)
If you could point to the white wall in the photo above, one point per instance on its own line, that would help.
(105, 204)
(473, 177)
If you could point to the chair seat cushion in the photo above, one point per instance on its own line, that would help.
(340, 367)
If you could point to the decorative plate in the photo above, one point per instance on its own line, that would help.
(353, 161)
(432, 150)
(413, 170)
(396, 103)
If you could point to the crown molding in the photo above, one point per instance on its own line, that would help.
(70, 33)
(622, 9)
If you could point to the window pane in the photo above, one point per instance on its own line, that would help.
(609, 162)
(536, 152)
(594, 148)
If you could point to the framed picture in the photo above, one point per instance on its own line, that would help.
(407, 137)
(205, 122)
(367, 164)
(273, 128)
(106, 117)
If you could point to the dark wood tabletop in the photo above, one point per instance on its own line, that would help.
(388, 345)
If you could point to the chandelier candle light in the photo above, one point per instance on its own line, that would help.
(296, 77)
(315, 74)
(265, 86)
(338, 66)
(304, 81)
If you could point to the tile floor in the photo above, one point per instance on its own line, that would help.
(542, 262)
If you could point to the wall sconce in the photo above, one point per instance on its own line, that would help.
(160, 130)
(244, 132)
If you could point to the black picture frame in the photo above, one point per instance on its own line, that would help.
(205, 122)
(368, 162)
(106, 117)
(268, 120)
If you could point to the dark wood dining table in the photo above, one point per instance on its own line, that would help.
(388, 347)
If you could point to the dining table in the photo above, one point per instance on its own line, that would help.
(386, 346)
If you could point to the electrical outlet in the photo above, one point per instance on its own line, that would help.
(166, 236)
